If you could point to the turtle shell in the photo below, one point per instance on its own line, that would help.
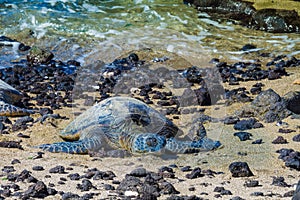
(117, 115)
(9, 94)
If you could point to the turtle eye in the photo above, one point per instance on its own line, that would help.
(151, 142)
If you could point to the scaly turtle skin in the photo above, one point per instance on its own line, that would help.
(128, 124)
(9, 96)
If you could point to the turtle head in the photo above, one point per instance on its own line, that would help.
(148, 142)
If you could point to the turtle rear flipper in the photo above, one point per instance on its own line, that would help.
(13, 111)
(77, 147)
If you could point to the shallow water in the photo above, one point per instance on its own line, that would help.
(89, 30)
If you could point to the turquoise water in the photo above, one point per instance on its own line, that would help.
(88, 30)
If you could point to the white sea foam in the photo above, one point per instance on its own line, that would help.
(178, 18)
(92, 8)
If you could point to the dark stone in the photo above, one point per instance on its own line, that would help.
(255, 90)
(167, 188)
(58, 169)
(289, 194)
(243, 135)
(15, 161)
(188, 98)
(194, 174)
(133, 57)
(226, 192)
(23, 47)
(31, 179)
(38, 56)
(73, 62)
(257, 194)
(296, 138)
(38, 168)
(245, 124)
(248, 47)
(267, 106)
(165, 169)
(69, 196)
(293, 101)
(279, 140)
(193, 75)
(108, 187)
(231, 120)
(240, 169)
(186, 169)
(8, 169)
(281, 130)
(38, 190)
(86, 185)
(5, 193)
(21, 135)
(51, 191)
(233, 9)
(219, 189)
(276, 21)
(21, 123)
(258, 141)
(293, 161)
(2, 127)
(251, 183)
(279, 181)
(139, 172)
(11, 144)
(75, 176)
(129, 183)
(266, 98)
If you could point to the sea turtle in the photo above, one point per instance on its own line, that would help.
(125, 123)
(8, 97)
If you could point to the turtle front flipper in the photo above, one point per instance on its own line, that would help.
(10, 110)
(77, 147)
(205, 144)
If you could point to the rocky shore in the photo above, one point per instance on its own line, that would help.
(251, 107)
(267, 19)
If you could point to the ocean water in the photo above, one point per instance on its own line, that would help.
(88, 30)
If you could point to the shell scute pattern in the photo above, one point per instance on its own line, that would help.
(125, 123)
(9, 96)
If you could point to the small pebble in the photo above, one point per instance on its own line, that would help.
(257, 194)
(58, 169)
(279, 140)
(75, 176)
(194, 174)
(282, 130)
(251, 183)
(108, 187)
(38, 168)
(258, 141)
(237, 198)
(15, 161)
(243, 136)
(296, 138)
(279, 181)
(186, 169)
(139, 172)
(240, 169)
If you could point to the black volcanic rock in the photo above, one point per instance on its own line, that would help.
(240, 169)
